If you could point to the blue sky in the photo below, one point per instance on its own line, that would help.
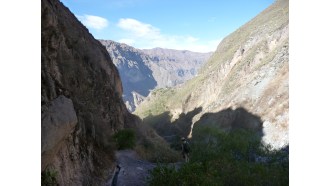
(178, 24)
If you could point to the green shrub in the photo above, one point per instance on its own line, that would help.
(157, 151)
(125, 139)
(48, 177)
(226, 158)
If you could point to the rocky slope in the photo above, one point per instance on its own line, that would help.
(145, 70)
(248, 72)
(81, 99)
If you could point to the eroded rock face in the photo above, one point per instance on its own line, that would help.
(144, 70)
(81, 98)
(58, 121)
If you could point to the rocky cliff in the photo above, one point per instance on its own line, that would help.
(144, 70)
(81, 99)
(249, 71)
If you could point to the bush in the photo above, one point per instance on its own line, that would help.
(232, 158)
(157, 151)
(48, 178)
(125, 139)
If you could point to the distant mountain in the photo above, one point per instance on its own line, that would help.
(144, 70)
(248, 75)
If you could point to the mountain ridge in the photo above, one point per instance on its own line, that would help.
(142, 70)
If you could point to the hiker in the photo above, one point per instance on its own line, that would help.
(185, 149)
(115, 177)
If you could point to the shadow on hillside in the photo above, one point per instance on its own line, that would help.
(230, 119)
(226, 149)
(169, 130)
(236, 121)
(226, 120)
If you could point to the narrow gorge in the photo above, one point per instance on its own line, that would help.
(112, 114)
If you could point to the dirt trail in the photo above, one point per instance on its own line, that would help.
(132, 170)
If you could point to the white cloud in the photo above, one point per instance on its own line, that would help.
(126, 41)
(191, 39)
(138, 28)
(94, 22)
(142, 35)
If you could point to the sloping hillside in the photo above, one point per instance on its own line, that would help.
(144, 70)
(249, 70)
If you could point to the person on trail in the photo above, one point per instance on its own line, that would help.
(115, 177)
(185, 149)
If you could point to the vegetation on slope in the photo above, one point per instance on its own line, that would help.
(156, 104)
(149, 145)
(125, 139)
(48, 177)
(219, 158)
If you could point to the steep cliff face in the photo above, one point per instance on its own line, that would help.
(137, 77)
(248, 70)
(144, 70)
(81, 98)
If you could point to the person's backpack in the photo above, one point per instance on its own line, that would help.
(186, 147)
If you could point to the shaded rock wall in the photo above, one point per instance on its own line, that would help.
(81, 98)
(57, 123)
